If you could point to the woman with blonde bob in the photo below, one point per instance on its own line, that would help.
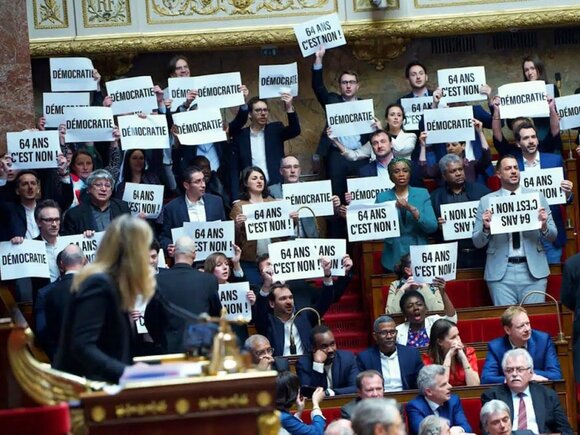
(96, 340)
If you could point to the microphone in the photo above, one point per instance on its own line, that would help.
(292, 319)
(561, 338)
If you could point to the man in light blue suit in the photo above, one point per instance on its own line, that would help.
(516, 262)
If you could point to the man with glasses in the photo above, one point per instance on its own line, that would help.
(262, 354)
(97, 213)
(519, 334)
(532, 406)
(399, 365)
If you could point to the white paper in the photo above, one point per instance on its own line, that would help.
(88, 124)
(268, 220)
(219, 90)
(89, 246)
(71, 74)
(33, 149)
(568, 108)
(366, 189)
(234, 298)
(178, 87)
(523, 99)
(53, 104)
(459, 219)
(325, 30)
(547, 181)
(210, 237)
(316, 195)
(27, 259)
(143, 133)
(511, 214)
(434, 261)
(461, 84)
(274, 80)
(132, 95)
(350, 118)
(414, 108)
(372, 221)
(144, 198)
(196, 127)
(451, 124)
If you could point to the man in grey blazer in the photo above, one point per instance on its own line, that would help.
(516, 262)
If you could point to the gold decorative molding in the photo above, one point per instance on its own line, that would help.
(106, 13)
(379, 50)
(366, 5)
(420, 4)
(50, 14)
(113, 66)
(240, 37)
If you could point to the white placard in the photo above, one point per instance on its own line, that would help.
(178, 87)
(317, 195)
(547, 181)
(196, 127)
(140, 307)
(459, 219)
(523, 99)
(89, 246)
(24, 260)
(234, 298)
(366, 189)
(33, 149)
(132, 95)
(143, 133)
(176, 233)
(568, 108)
(219, 90)
(300, 258)
(275, 80)
(414, 108)
(461, 84)
(325, 30)
(71, 74)
(372, 221)
(88, 124)
(451, 124)
(515, 213)
(268, 220)
(53, 104)
(144, 198)
(550, 90)
(210, 237)
(434, 261)
(350, 118)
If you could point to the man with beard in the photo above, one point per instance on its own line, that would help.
(327, 367)
(381, 144)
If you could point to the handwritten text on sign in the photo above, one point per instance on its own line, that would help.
(459, 219)
(143, 133)
(33, 149)
(461, 84)
(452, 124)
(53, 104)
(366, 189)
(88, 124)
(71, 74)
(434, 261)
(350, 118)
(23, 260)
(88, 245)
(196, 127)
(132, 95)
(234, 298)
(268, 219)
(325, 31)
(414, 108)
(372, 221)
(569, 111)
(317, 195)
(144, 198)
(300, 258)
(523, 99)
(278, 79)
(211, 237)
(515, 213)
(546, 181)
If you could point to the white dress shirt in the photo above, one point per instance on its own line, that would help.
(297, 340)
(530, 413)
(195, 210)
(32, 230)
(258, 147)
(391, 372)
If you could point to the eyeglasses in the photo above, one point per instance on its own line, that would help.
(50, 220)
(518, 370)
(267, 351)
(348, 82)
(102, 185)
(386, 332)
(261, 110)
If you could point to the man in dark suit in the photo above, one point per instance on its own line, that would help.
(495, 419)
(17, 218)
(262, 354)
(97, 213)
(186, 289)
(194, 206)
(381, 144)
(519, 333)
(570, 295)
(262, 143)
(417, 77)
(532, 406)
(369, 385)
(435, 398)
(398, 364)
(327, 367)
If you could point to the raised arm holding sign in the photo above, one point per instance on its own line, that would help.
(276, 80)
(72, 74)
(131, 95)
(53, 104)
(34, 149)
(324, 31)
(524, 99)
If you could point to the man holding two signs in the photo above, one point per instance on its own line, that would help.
(516, 263)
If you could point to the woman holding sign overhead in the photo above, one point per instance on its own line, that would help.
(416, 216)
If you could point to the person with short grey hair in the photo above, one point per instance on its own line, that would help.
(339, 427)
(379, 415)
(434, 425)
(262, 354)
(515, 353)
(427, 376)
(495, 419)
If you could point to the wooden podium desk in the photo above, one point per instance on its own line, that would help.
(239, 404)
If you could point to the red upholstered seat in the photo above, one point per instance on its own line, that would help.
(477, 330)
(330, 414)
(46, 420)
(472, 408)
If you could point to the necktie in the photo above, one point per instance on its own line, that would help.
(515, 236)
(522, 416)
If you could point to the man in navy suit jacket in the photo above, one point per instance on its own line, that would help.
(519, 333)
(327, 367)
(202, 206)
(435, 398)
(403, 362)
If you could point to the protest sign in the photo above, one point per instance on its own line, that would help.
(210, 237)
(300, 258)
(234, 298)
(219, 90)
(550, 90)
(547, 181)
(89, 245)
(372, 221)
(176, 233)
(143, 133)
(140, 307)
(523, 99)
(132, 95)
(33, 149)
(144, 198)
(88, 124)
(268, 220)
(275, 80)
(366, 189)
(568, 108)
(459, 219)
(451, 124)
(325, 30)
(23, 260)
(177, 89)
(53, 104)
(71, 74)
(317, 195)
(350, 118)
(414, 108)
(434, 261)
(514, 213)
(196, 127)
(461, 84)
